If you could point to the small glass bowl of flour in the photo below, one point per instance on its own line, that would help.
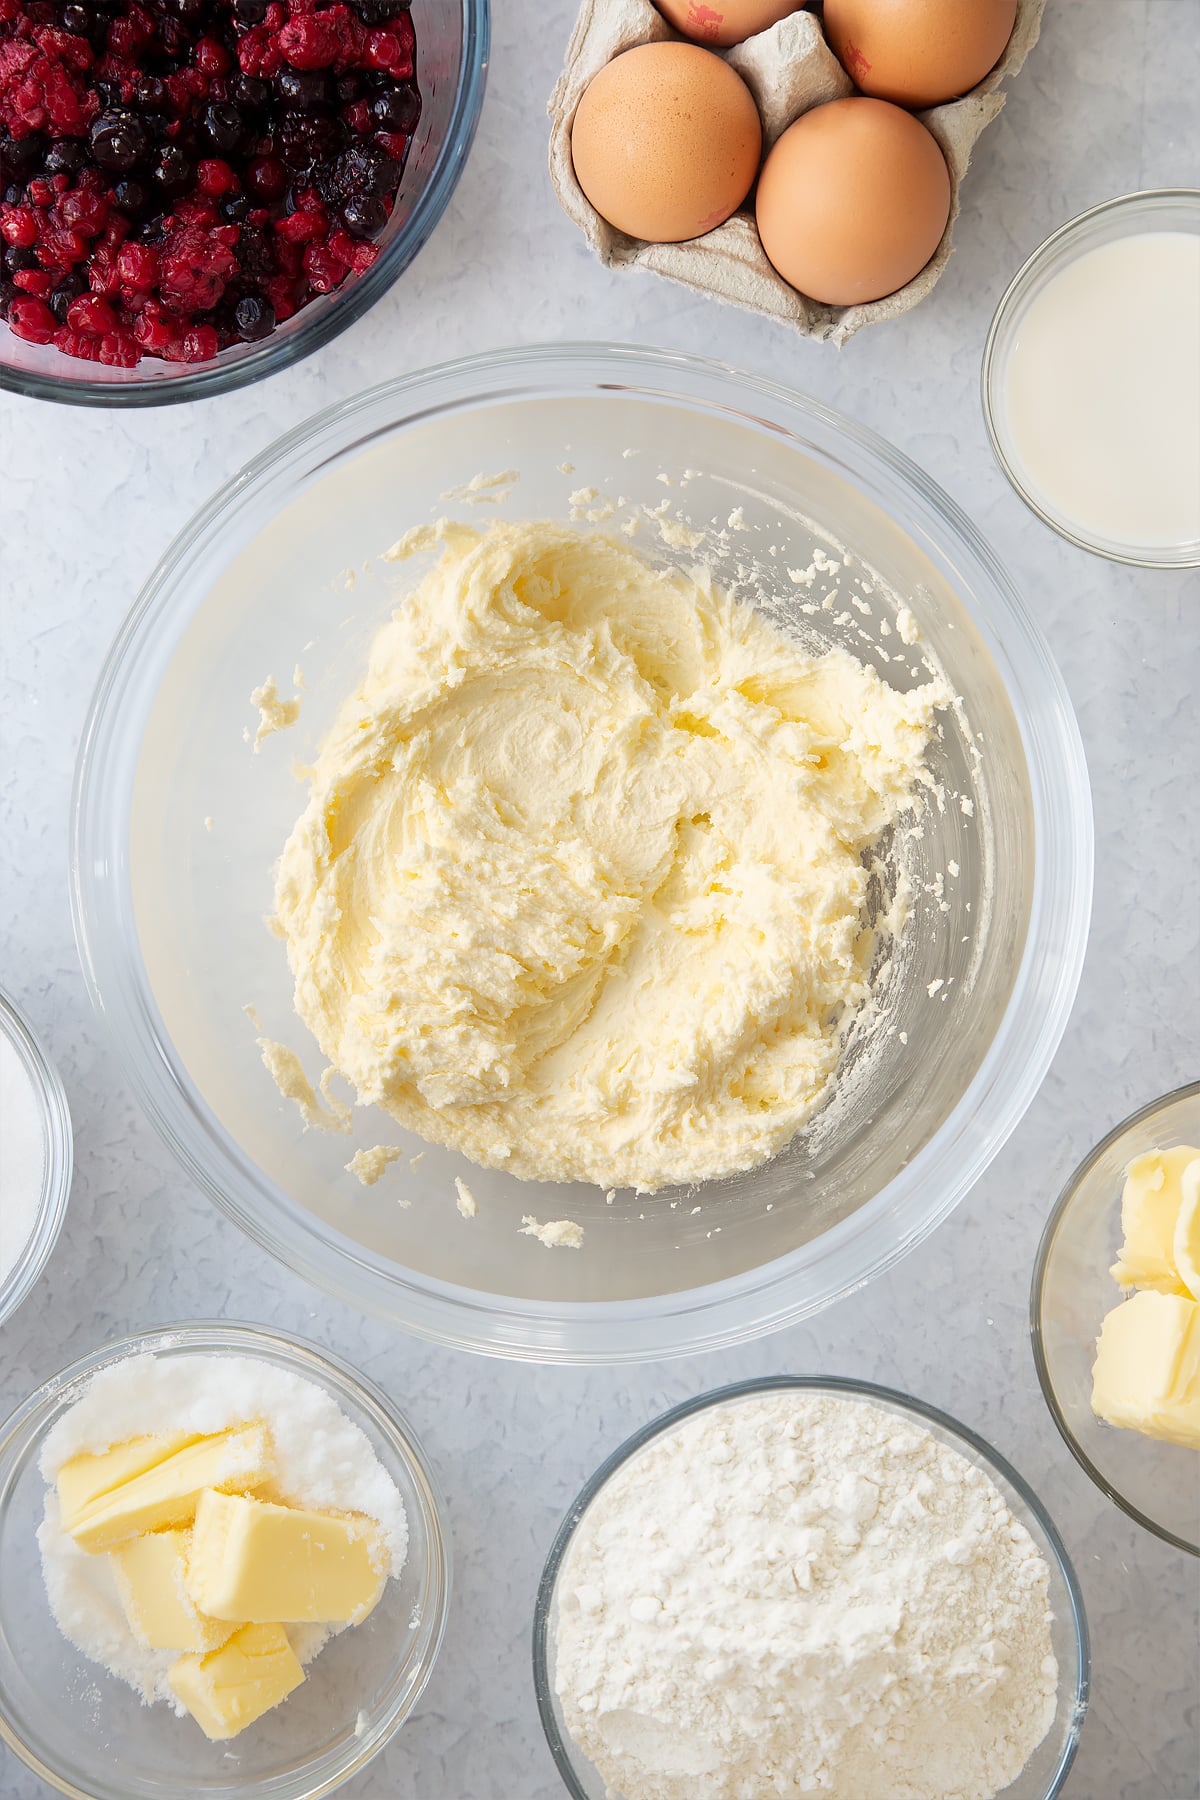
(809, 1586)
(75, 1700)
(35, 1157)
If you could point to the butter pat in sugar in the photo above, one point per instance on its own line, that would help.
(87, 1476)
(254, 1560)
(150, 1574)
(1146, 1376)
(1150, 1209)
(231, 1687)
(165, 1493)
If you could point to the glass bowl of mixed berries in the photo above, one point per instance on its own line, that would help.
(194, 193)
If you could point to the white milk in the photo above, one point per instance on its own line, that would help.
(1103, 392)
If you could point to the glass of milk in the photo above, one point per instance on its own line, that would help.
(1091, 380)
(35, 1156)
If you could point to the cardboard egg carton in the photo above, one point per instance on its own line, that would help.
(789, 69)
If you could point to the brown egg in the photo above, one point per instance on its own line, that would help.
(666, 142)
(918, 52)
(725, 22)
(852, 201)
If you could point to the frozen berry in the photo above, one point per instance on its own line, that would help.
(396, 107)
(119, 140)
(364, 215)
(172, 172)
(305, 90)
(254, 317)
(224, 126)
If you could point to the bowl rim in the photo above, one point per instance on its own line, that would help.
(1190, 1090)
(1141, 201)
(57, 1174)
(872, 1392)
(275, 353)
(314, 1362)
(759, 1300)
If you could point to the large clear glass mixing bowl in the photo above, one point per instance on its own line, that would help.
(177, 826)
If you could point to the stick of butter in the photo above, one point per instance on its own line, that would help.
(1146, 1376)
(229, 1688)
(165, 1494)
(88, 1475)
(251, 1559)
(1150, 1207)
(150, 1573)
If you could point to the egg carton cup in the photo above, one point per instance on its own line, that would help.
(789, 69)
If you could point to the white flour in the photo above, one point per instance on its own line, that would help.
(322, 1460)
(800, 1594)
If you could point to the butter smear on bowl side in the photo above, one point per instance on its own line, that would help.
(207, 1560)
(1146, 1376)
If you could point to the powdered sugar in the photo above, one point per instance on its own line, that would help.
(322, 1459)
(799, 1593)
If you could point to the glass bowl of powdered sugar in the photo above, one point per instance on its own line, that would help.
(809, 1585)
(35, 1157)
(88, 1706)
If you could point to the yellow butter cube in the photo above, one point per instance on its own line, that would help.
(1187, 1229)
(165, 1495)
(1146, 1376)
(229, 1688)
(150, 1574)
(1150, 1206)
(251, 1559)
(87, 1476)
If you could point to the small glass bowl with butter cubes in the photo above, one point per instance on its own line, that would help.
(226, 1570)
(1115, 1316)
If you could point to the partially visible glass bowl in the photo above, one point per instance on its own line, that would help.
(1158, 209)
(57, 1158)
(1046, 1771)
(169, 909)
(1155, 1483)
(452, 59)
(89, 1735)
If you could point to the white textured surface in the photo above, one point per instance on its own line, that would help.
(1106, 105)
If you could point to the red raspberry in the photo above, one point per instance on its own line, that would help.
(120, 350)
(281, 293)
(102, 273)
(215, 177)
(153, 332)
(385, 51)
(19, 226)
(393, 144)
(303, 227)
(211, 57)
(82, 344)
(309, 43)
(91, 313)
(194, 270)
(137, 267)
(61, 249)
(200, 344)
(84, 212)
(323, 268)
(32, 320)
(41, 283)
(358, 116)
